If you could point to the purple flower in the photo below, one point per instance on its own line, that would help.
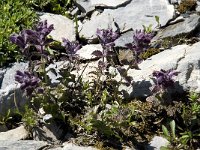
(102, 65)
(141, 41)
(71, 47)
(107, 37)
(28, 81)
(22, 39)
(37, 37)
(164, 79)
(43, 28)
(141, 38)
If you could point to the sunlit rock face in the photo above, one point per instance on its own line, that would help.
(131, 16)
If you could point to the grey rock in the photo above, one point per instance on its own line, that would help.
(157, 142)
(132, 16)
(53, 70)
(56, 148)
(50, 133)
(16, 134)
(177, 20)
(124, 39)
(175, 1)
(181, 28)
(110, 3)
(9, 96)
(2, 72)
(74, 12)
(22, 145)
(85, 52)
(198, 6)
(64, 27)
(70, 146)
(189, 68)
(9, 76)
(85, 6)
(10, 93)
(86, 71)
(89, 5)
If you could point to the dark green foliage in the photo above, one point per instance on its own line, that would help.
(29, 117)
(52, 6)
(186, 132)
(148, 53)
(15, 16)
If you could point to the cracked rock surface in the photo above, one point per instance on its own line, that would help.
(89, 5)
(132, 16)
(181, 28)
(22, 145)
(183, 58)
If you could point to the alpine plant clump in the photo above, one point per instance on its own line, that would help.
(37, 38)
(164, 79)
(106, 38)
(71, 48)
(28, 81)
(140, 44)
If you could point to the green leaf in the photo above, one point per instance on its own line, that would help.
(165, 131)
(144, 27)
(157, 20)
(172, 126)
(164, 148)
(104, 96)
(184, 136)
(147, 29)
(102, 127)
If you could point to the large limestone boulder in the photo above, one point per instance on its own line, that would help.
(16, 134)
(131, 16)
(22, 145)
(63, 26)
(10, 93)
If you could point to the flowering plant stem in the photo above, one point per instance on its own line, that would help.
(43, 61)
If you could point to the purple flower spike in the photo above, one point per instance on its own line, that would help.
(43, 28)
(28, 81)
(37, 37)
(22, 39)
(71, 47)
(107, 37)
(42, 31)
(141, 41)
(141, 37)
(164, 79)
